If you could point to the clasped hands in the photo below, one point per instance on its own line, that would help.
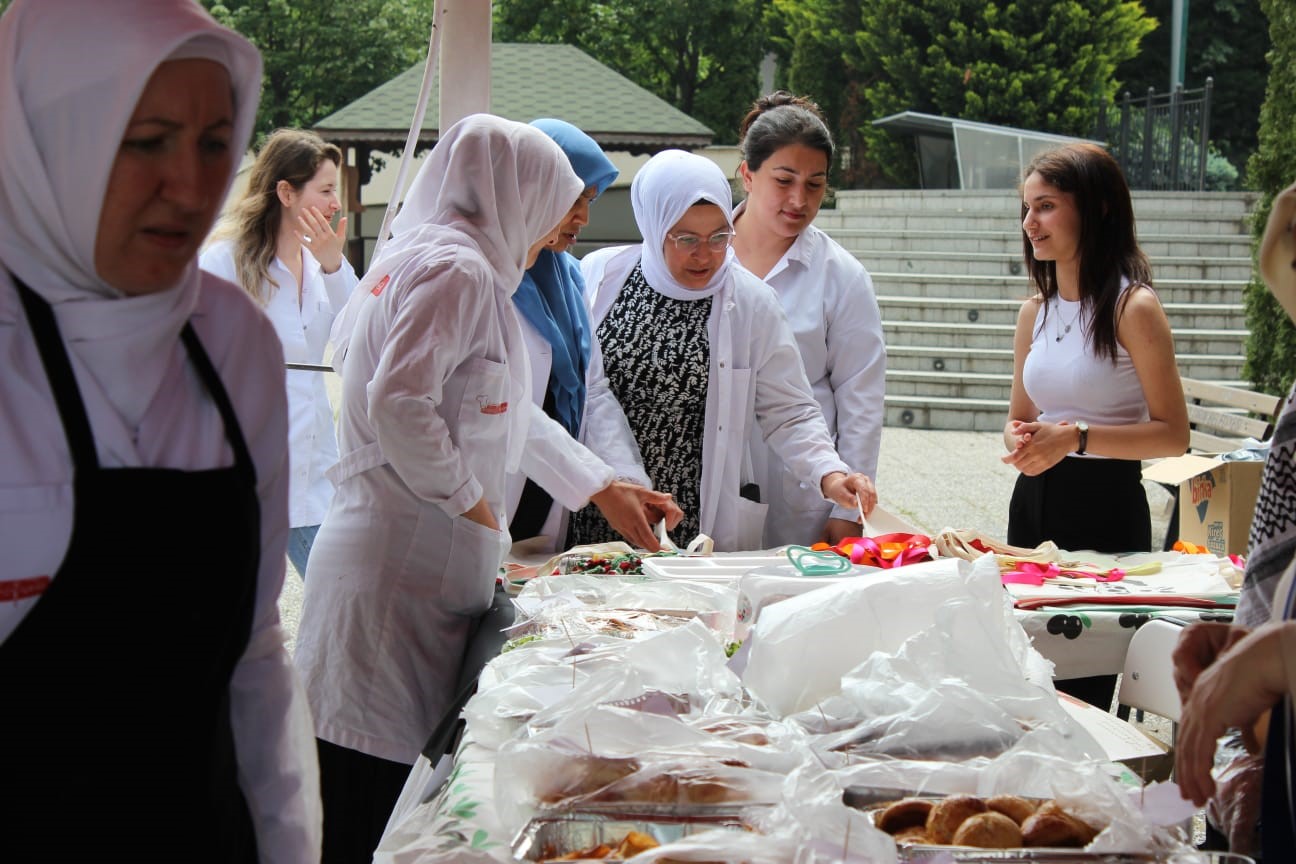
(1038, 446)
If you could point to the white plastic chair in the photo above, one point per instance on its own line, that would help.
(1147, 683)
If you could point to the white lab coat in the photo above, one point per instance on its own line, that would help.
(396, 575)
(604, 429)
(829, 300)
(304, 330)
(181, 428)
(757, 385)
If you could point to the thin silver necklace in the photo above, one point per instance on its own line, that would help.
(1059, 327)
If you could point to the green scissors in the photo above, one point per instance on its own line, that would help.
(811, 563)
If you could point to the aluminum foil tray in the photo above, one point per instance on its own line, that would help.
(559, 834)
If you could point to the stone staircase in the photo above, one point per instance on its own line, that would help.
(947, 267)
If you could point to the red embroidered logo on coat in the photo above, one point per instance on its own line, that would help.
(488, 407)
(382, 283)
(13, 590)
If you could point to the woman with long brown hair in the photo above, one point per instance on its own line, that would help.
(278, 243)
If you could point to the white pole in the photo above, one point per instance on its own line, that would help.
(411, 140)
(465, 85)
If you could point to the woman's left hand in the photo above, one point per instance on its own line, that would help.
(1040, 446)
(318, 236)
(1233, 692)
(841, 489)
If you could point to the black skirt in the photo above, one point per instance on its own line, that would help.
(1079, 503)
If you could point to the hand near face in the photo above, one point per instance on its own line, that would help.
(325, 243)
(1039, 446)
(1232, 693)
(841, 489)
(632, 511)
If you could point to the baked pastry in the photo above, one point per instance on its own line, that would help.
(916, 834)
(1014, 807)
(584, 775)
(948, 814)
(907, 813)
(1052, 826)
(634, 843)
(989, 830)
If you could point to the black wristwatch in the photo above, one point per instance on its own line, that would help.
(1083, 428)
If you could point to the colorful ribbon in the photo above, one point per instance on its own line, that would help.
(884, 551)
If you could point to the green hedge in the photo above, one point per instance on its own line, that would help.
(1271, 349)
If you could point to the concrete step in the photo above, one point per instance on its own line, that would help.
(1185, 225)
(1224, 369)
(920, 412)
(937, 335)
(1009, 264)
(1017, 288)
(1223, 205)
(1175, 245)
(946, 310)
(945, 385)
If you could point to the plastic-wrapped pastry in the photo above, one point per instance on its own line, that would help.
(948, 814)
(1014, 807)
(905, 814)
(989, 830)
(916, 834)
(1053, 826)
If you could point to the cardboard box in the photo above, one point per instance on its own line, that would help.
(1147, 757)
(1216, 499)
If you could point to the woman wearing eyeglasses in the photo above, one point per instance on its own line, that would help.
(698, 352)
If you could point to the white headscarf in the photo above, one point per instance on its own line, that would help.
(495, 185)
(71, 73)
(661, 193)
(503, 184)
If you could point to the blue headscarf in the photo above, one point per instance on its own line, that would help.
(550, 296)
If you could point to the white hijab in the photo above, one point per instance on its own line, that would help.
(491, 184)
(661, 193)
(71, 73)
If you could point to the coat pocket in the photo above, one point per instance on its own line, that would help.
(468, 583)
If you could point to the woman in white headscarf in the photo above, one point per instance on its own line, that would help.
(697, 351)
(143, 472)
(436, 410)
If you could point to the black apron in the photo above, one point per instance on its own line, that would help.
(115, 721)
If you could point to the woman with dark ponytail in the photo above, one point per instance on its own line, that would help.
(828, 297)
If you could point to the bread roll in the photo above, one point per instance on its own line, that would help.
(1053, 826)
(907, 813)
(989, 830)
(1014, 807)
(948, 814)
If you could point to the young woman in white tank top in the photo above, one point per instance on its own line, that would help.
(1095, 382)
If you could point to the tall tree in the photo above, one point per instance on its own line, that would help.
(702, 56)
(1271, 348)
(813, 39)
(1223, 43)
(1041, 66)
(321, 54)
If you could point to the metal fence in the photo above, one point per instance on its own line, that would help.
(1162, 139)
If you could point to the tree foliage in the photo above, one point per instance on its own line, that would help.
(1271, 348)
(1041, 66)
(1223, 43)
(813, 39)
(322, 54)
(702, 56)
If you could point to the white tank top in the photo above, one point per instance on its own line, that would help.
(1067, 382)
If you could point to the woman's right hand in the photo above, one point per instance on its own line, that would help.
(481, 514)
(1198, 647)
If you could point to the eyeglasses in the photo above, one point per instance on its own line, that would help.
(689, 243)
